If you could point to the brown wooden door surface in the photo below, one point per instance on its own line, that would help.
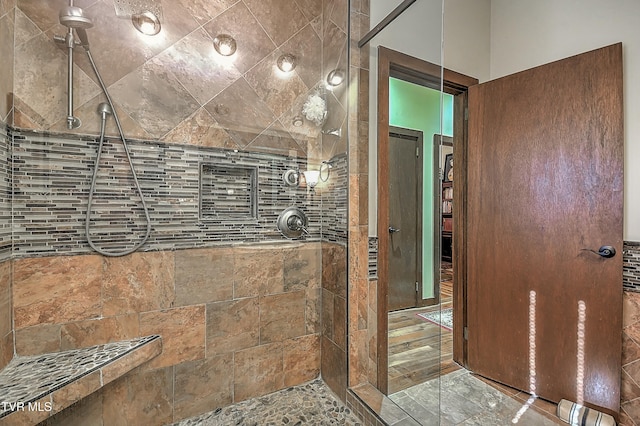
(405, 217)
(545, 176)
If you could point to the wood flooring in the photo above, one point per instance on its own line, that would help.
(420, 350)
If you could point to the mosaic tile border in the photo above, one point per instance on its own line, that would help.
(373, 258)
(51, 176)
(28, 379)
(5, 192)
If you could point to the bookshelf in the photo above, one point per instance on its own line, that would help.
(447, 221)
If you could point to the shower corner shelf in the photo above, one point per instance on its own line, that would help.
(52, 382)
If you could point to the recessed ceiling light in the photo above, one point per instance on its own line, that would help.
(335, 78)
(287, 62)
(225, 44)
(147, 23)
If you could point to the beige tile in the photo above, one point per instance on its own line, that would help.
(282, 316)
(280, 18)
(128, 362)
(334, 367)
(6, 66)
(25, 29)
(340, 322)
(99, 331)
(204, 10)
(139, 398)
(253, 43)
(193, 64)
(6, 324)
(312, 9)
(86, 412)
(64, 397)
(38, 339)
(200, 129)
(55, 290)
(232, 326)
(204, 276)
(258, 371)
(630, 308)
(302, 267)
(6, 349)
(276, 140)
(629, 388)
(182, 331)
(139, 282)
(258, 271)
(29, 417)
(630, 349)
(328, 316)
(301, 359)
(201, 386)
(313, 313)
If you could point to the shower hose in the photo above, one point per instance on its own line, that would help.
(95, 174)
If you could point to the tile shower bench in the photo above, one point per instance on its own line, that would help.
(32, 388)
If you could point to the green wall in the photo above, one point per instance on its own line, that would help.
(416, 107)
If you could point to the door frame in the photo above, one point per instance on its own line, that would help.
(395, 64)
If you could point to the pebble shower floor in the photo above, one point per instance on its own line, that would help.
(307, 404)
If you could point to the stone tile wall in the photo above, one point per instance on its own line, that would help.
(7, 12)
(236, 322)
(362, 321)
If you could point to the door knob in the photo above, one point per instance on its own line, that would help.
(605, 251)
(393, 230)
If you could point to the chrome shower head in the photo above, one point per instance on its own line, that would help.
(74, 17)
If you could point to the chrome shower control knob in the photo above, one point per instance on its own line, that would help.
(292, 222)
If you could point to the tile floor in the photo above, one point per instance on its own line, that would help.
(461, 398)
(311, 403)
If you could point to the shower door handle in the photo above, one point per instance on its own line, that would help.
(393, 230)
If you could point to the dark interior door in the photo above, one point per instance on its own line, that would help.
(545, 181)
(405, 218)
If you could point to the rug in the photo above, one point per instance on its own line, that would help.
(443, 318)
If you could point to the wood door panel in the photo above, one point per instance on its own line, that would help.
(545, 180)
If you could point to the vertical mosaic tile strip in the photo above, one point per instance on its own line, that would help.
(373, 258)
(5, 193)
(631, 266)
(51, 181)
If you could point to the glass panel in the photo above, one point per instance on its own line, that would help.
(404, 105)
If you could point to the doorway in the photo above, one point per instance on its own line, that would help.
(396, 65)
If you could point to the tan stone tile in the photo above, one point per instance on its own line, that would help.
(313, 312)
(55, 290)
(302, 267)
(239, 22)
(232, 326)
(139, 398)
(200, 129)
(276, 140)
(5, 298)
(194, 66)
(282, 316)
(258, 371)
(334, 367)
(203, 385)
(632, 409)
(306, 46)
(258, 271)
(139, 282)
(358, 357)
(340, 322)
(204, 276)
(327, 313)
(280, 18)
(629, 388)
(38, 339)
(301, 359)
(630, 308)
(64, 397)
(99, 331)
(182, 331)
(204, 10)
(128, 362)
(311, 8)
(86, 412)
(29, 417)
(6, 349)
(630, 349)
(6, 66)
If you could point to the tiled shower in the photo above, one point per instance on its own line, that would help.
(242, 311)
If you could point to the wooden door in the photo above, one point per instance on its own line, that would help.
(545, 180)
(405, 217)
